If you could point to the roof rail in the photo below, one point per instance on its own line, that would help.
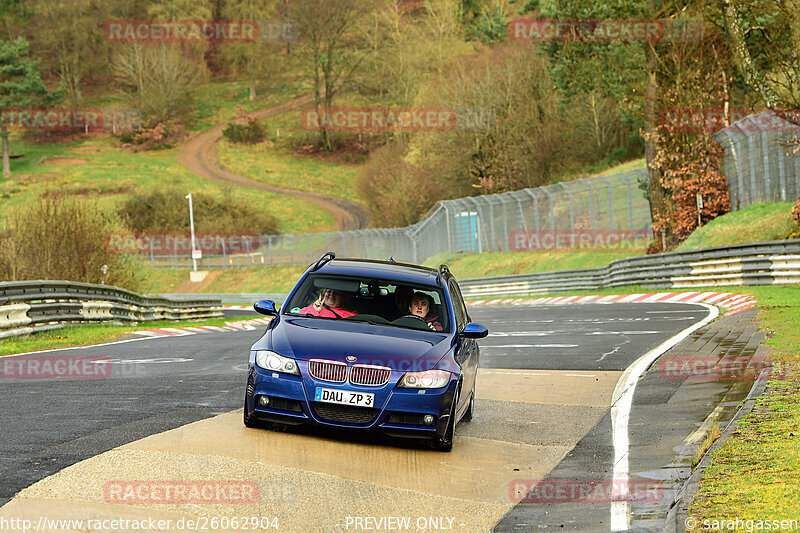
(327, 256)
(443, 271)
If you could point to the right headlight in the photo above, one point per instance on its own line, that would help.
(428, 379)
(269, 360)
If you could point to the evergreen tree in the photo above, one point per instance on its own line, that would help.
(20, 86)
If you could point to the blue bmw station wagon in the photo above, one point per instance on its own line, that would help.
(367, 346)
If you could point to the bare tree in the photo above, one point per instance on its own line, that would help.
(158, 77)
(330, 49)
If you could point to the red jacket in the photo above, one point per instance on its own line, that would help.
(326, 313)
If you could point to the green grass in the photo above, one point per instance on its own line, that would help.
(755, 474)
(623, 167)
(269, 163)
(70, 336)
(216, 101)
(465, 266)
(110, 175)
(761, 222)
(266, 280)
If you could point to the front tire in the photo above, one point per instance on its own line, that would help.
(468, 414)
(445, 442)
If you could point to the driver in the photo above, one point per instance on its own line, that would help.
(329, 304)
(420, 306)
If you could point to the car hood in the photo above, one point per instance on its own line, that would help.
(397, 348)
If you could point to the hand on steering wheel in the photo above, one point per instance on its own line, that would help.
(420, 318)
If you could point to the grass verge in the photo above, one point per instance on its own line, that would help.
(754, 475)
(465, 266)
(70, 336)
(761, 222)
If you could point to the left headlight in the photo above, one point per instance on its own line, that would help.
(277, 363)
(428, 379)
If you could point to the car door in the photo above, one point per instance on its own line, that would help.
(466, 353)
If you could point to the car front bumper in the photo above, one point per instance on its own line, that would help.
(397, 411)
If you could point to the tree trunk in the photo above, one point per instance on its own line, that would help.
(6, 157)
(744, 61)
(655, 191)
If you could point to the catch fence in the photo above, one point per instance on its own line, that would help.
(597, 212)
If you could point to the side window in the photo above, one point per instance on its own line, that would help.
(458, 305)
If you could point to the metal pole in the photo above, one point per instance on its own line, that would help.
(191, 224)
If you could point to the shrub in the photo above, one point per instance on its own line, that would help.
(796, 211)
(252, 133)
(168, 210)
(246, 131)
(796, 216)
(397, 193)
(62, 238)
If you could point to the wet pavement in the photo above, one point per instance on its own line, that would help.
(545, 387)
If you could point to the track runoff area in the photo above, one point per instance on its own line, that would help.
(579, 424)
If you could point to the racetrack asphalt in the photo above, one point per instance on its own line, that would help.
(544, 389)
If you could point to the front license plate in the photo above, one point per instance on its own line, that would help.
(344, 397)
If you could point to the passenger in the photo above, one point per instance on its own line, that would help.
(329, 304)
(420, 306)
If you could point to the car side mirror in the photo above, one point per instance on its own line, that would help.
(474, 331)
(265, 307)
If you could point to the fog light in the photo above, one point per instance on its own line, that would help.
(263, 401)
(428, 420)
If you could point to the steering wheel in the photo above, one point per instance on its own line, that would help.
(414, 316)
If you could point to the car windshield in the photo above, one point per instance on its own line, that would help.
(371, 300)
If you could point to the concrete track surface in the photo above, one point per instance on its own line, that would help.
(170, 414)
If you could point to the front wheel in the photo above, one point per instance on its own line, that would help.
(471, 408)
(445, 442)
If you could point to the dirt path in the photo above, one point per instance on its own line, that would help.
(199, 156)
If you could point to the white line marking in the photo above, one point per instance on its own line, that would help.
(582, 375)
(659, 312)
(517, 373)
(623, 332)
(89, 346)
(622, 401)
(509, 346)
(522, 334)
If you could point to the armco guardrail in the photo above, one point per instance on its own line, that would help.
(760, 263)
(30, 306)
